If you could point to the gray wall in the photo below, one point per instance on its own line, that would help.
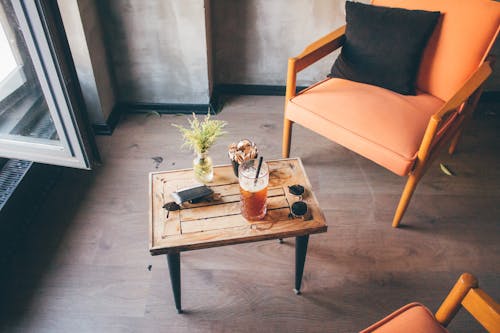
(86, 42)
(158, 49)
(173, 51)
(254, 38)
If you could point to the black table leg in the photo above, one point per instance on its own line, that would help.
(300, 258)
(174, 267)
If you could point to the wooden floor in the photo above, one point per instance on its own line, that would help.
(84, 264)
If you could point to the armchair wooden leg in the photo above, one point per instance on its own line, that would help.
(287, 137)
(410, 186)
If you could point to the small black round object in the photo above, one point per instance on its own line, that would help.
(299, 208)
(296, 189)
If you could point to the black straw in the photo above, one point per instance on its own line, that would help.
(258, 170)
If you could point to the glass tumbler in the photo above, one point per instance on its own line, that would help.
(253, 189)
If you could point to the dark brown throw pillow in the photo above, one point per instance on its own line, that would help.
(384, 46)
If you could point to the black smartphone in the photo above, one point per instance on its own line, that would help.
(191, 193)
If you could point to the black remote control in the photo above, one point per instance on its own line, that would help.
(191, 193)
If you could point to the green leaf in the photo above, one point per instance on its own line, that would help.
(201, 135)
(153, 113)
(445, 169)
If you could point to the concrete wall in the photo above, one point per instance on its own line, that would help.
(254, 38)
(86, 42)
(173, 51)
(158, 49)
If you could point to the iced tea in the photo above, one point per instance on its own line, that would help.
(253, 191)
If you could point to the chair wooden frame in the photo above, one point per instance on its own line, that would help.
(439, 132)
(466, 293)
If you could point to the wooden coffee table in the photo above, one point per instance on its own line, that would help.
(219, 222)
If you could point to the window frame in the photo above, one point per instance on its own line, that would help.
(39, 26)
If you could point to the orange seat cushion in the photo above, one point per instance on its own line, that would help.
(460, 41)
(412, 318)
(374, 122)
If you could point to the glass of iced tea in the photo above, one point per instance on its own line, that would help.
(253, 189)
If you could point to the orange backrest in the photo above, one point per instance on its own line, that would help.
(459, 44)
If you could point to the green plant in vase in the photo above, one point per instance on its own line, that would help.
(199, 137)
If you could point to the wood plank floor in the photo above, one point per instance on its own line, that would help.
(83, 266)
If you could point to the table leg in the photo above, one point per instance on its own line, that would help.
(300, 258)
(174, 267)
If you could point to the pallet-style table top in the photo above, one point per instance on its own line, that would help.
(219, 222)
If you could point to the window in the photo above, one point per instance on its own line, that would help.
(38, 100)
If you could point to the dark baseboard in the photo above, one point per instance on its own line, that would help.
(252, 89)
(169, 108)
(214, 106)
(111, 122)
(163, 108)
(176, 108)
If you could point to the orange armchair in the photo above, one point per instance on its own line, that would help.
(399, 132)
(415, 317)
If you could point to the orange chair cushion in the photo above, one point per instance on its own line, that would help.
(459, 43)
(412, 318)
(374, 122)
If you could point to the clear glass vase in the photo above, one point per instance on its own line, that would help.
(203, 168)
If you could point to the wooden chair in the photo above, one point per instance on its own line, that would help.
(401, 133)
(415, 317)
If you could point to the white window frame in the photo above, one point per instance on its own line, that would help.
(70, 149)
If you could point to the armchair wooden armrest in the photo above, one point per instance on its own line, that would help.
(453, 301)
(466, 293)
(312, 53)
(320, 48)
(472, 85)
(415, 317)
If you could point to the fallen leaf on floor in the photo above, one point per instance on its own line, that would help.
(153, 113)
(445, 169)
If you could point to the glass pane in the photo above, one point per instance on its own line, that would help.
(24, 115)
